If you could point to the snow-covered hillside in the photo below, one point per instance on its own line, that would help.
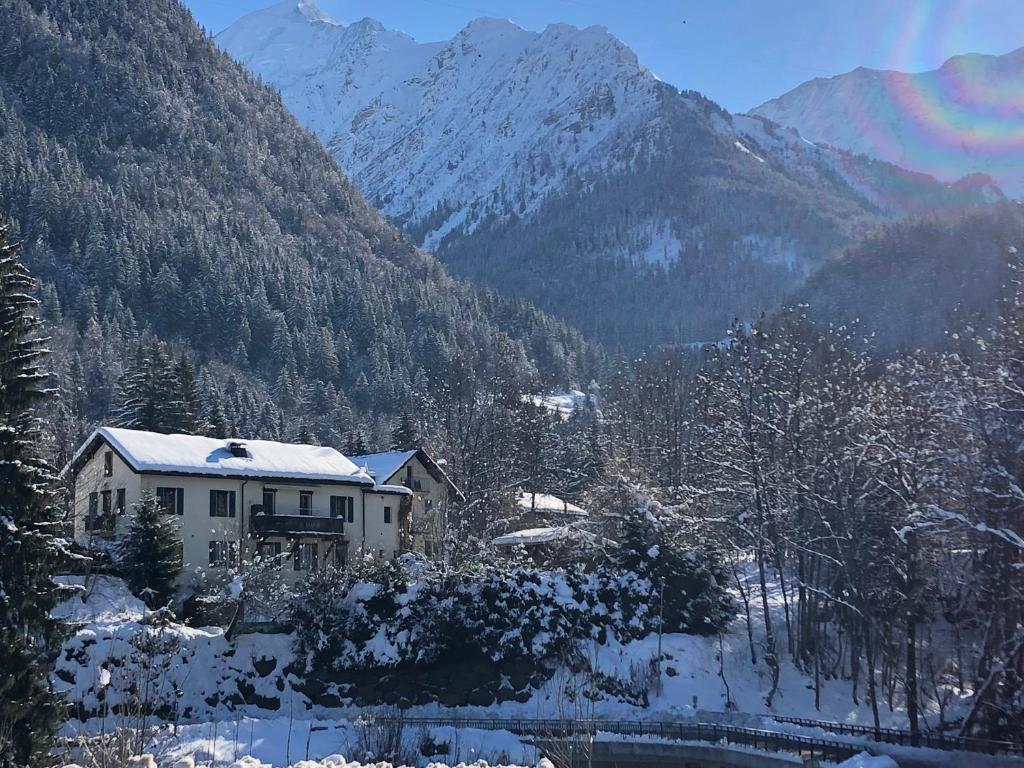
(965, 117)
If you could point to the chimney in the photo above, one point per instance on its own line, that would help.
(237, 449)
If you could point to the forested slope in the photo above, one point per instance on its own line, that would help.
(917, 282)
(162, 194)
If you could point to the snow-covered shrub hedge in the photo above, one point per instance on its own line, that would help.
(385, 614)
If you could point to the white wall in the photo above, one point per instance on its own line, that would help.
(429, 504)
(91, 479)
(379, 536)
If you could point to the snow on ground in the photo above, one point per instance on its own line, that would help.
(284, 741)
(99, 599)
(208, 667)
(331, 761)
(562, 403)
(278, 725)
(864, 760)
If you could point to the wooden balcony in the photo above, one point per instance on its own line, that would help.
(297, 525)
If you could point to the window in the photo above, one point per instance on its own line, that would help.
(269, 501)
(305, 557)
(305, 502)
(120, 503)
(222, 503)
(269, 550)
(341, 506)
(387, 515)
(108, 463)
(91, 522)
(171, 500)
(222, 553)
(105, 495)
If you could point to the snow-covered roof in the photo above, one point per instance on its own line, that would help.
(530, 536)
(195, 455)
(383, 465)
(548, 504)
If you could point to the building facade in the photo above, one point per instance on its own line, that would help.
(433, 492)
(233, 499)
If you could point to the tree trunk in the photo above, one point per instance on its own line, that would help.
(869, 654)
(746, 611)
(910, 681)
(770, 656)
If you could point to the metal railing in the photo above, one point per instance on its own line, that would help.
(930, 739)
(807, 747)
(279, 524)
(801, 744)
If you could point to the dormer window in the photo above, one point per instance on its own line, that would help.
(108, 463)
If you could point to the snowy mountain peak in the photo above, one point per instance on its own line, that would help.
(486, 26)
(964, 118)
(311, 11)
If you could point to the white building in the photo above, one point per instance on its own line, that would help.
(231, 498)
(433, 492)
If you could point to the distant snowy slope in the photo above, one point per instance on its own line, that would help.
(965, 117)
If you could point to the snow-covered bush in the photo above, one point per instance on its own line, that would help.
(688, 591)
(385, 614)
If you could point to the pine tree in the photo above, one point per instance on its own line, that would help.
(406, 434)
(29, 639)
(150, 394)
(355, 443)
(188, 400)
(150, 556)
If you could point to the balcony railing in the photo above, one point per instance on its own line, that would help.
(283, 525)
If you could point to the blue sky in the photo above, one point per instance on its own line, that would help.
(738, 52)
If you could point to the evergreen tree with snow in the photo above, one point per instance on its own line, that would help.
(29, 549)
(150, 555)
(148, 393)
(355, 443)
(189, 418)
(406, 434)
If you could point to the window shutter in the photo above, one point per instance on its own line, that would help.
(297, 557)
(213, 503)
(231, 503)
(179, 500)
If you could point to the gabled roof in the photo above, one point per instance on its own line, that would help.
(195, 455)
(384, 466)
(530, 536)
(545, 503)
(533, 536)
